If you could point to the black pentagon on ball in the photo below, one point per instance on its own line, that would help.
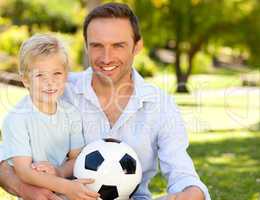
(112, 140)
(108, 192)
(128, 164)
(93, 160)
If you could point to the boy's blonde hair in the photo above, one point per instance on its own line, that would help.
(41, 45)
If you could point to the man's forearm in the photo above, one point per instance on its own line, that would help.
(8, 179)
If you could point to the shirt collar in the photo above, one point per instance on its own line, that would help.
(143, 91)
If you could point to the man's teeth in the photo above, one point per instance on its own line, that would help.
(108, 68)
(51, 91)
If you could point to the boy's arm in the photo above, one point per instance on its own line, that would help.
(64, 171)
(22, 167)
(75, 189)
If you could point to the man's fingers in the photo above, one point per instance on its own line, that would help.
(54, 197)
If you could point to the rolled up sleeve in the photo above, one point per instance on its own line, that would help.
(175, 163)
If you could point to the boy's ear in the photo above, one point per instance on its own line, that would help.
(138, 46)
(25, 81)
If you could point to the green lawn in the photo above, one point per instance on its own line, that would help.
(223, 122)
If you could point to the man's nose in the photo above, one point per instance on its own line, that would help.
(107, 56)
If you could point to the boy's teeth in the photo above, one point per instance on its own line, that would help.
(109, 68)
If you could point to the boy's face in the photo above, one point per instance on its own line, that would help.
(46, 79)
(111, 49)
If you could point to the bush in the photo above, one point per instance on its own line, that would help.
(12, 38)
(202, 63)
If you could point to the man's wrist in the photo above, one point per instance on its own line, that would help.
(59, 172)
(194, 192)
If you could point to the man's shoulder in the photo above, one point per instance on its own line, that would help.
(155, 93)
(74, 77)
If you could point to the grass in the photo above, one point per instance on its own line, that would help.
(218, 115)
(227, 162)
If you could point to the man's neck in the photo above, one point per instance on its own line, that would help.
(123, 88)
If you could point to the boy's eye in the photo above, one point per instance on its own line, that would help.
(39, 75)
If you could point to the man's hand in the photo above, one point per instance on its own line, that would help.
(29, 192)
(46, 167)
(190, 193)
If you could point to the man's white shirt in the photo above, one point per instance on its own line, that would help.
(150, 123)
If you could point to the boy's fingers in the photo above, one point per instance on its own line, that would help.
(85, 180)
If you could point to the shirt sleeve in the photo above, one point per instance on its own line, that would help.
(16, 140)
(175, 162)
(76, 131)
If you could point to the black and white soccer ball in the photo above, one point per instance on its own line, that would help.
(115, 167)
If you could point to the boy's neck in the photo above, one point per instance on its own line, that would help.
(46, 108)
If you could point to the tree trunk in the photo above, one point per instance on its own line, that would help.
(182, 84)
(180, 76)
(90, 5)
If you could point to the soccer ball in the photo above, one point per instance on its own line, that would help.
(114, 165)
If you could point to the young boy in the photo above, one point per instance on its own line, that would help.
(43, 134)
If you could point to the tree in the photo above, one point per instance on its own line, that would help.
(36, 14)
(190, 23)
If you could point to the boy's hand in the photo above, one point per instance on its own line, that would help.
(46, 167)
(78, 191)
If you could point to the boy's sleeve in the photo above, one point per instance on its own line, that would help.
(16, 141)
(76, 131)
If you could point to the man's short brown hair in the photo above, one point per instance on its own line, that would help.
(113, 10)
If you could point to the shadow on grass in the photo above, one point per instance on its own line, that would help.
(230, 168)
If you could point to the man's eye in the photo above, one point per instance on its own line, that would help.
(96, 45)
(118, 45)
(57, 73)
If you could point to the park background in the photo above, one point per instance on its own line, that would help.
(206, 53)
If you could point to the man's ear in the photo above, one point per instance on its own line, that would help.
(25, 81)
(138, 47)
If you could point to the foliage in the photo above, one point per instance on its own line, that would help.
(144, 65)
(12, 38)
(37, 14)
(189, 25)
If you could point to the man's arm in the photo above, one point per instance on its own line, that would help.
(175, 162)
(12, 184)
(8, 180)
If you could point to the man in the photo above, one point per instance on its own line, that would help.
(115, 102)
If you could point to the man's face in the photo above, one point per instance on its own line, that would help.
(111, 49)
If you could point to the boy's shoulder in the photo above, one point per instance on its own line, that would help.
(19, 112)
